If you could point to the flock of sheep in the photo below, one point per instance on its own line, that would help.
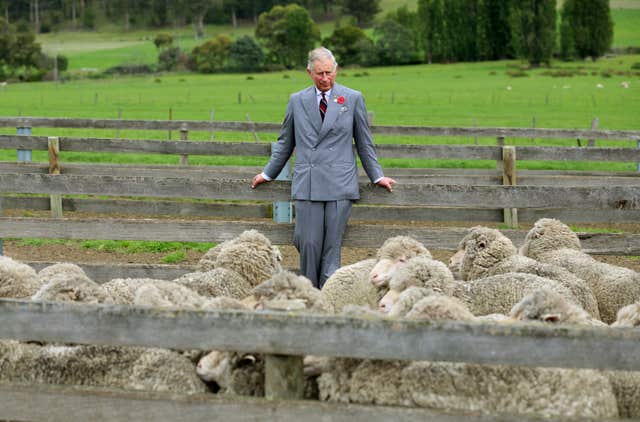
(550, 280)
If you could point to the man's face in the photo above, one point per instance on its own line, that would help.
(323, 74)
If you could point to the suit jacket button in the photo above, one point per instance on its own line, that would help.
(313, 165)
(314, 148)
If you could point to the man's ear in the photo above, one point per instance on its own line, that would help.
(552, 318)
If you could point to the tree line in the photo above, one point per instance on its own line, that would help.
(441, 31)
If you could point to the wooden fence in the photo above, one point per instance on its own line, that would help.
(422, 194)
(283, 335)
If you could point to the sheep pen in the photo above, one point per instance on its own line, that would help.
(422, 401)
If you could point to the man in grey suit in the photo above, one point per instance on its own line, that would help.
(321, 123)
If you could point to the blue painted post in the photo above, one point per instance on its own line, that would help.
(283, 210)
(0, 216)
(24, 155)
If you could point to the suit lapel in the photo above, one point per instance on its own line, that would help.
(332, 112)
(310, 104)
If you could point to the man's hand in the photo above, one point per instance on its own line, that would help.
(387, 183)
(258, 179)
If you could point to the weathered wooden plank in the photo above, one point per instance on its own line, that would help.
(359, 212)
(101, 273)
(61, 404)
(204, 125)
(469, 152)
(356, 235)
(147, 208)
(597, 197)
(578, 154)
(286, 333)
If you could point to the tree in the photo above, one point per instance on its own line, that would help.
(288, 33)
(431, 27)
(394, 43)
(363, 10)
(533, 30)
(492, 28)
(245, 55)
(586, 29)
(345, 43)
(211, 56)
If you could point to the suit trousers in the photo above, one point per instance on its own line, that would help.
(318, 233)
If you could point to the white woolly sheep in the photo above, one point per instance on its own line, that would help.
(499, 293)
(243, 373)
(554, 242)
(628, 316)
(131, 368)
(217, 282)
(419, 271)
(350, 285)
(366, 282)
(546, 305)
(17, 280)
(69, 283)
(485, 252)
(251, 255)
(392, 254)
(484, 389)
(438, 307)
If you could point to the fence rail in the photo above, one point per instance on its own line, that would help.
(424, 192)
(462, 152)
(203, 125)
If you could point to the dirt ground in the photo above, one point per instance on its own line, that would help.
(77, 254)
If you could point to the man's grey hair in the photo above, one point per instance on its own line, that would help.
(321, 53)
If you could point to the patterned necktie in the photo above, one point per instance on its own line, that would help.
(323, 106)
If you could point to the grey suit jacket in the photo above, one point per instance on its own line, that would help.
(325, 168)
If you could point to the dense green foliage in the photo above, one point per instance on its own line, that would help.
(288, 33)
(362, 10)
(533, 29)
(586, 29)
(21, 56)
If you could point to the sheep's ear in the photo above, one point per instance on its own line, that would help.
(247, 360)
(552, 318)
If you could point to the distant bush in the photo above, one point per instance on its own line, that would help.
(129, 69)
(163, 40)
(172, 58)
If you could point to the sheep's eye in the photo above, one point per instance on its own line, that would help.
(403, 259)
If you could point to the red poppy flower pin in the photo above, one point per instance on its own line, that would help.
(340, 100)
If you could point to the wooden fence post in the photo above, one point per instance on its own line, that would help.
(211, 113)
(594, 126)
(638, 161)
(184, 134)
(283, 377)
(54, 168)
(509, 179)
(0, 216)
(370, 116)
(500, 143)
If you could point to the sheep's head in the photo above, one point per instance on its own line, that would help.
(546, 235)
(286, 290)
(218, 366)
(392, 255)
(481, 249)
(543, 305)
(419, 272)
(628, 316)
